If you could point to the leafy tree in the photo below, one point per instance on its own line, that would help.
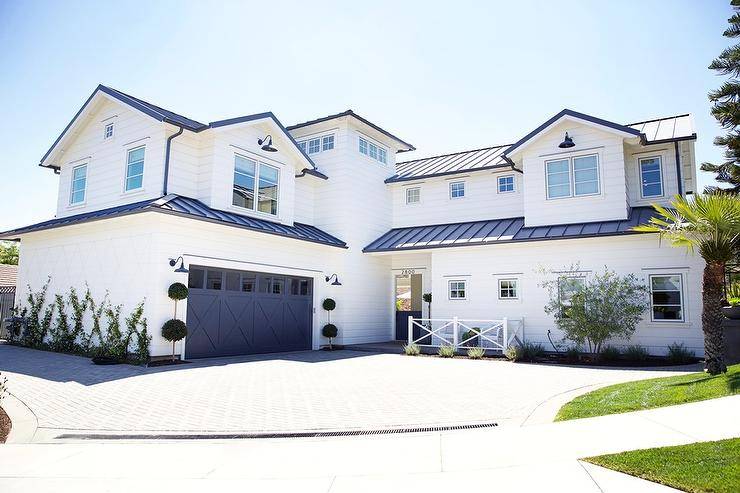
(710, 224)
(8, 253)
(726, 108)
(605, 307)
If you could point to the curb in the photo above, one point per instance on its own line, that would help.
(23, 421)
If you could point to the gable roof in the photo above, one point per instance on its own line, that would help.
(190, 208)
(501, 231)
(351, 113)
(167, 116)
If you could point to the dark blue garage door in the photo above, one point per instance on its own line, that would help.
(237, 312)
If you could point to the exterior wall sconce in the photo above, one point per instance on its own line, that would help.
(567, 143)
(336, 280)
(180, 269)
(266, 144)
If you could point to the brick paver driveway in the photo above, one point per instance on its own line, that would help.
(285, 392)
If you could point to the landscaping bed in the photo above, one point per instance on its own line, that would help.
(697, 467)
(5, 425)
(655, 392)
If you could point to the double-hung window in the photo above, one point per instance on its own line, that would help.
(666, 298)
(576, 176)
(249, 174)
(413, 195)
(134, 169)
(508, 289)
(457, 189)
(79, 184)
(505, 184)
(457, 290)
(651, 177)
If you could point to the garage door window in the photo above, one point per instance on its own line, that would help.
(248, 283)
(272, 285)
(195, 278)
(232, 281)
(299, 287)
(214, 279)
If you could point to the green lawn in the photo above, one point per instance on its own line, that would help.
(699, 467)
(656, 392)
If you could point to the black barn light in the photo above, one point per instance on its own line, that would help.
(567, 143)
(266, 144)
(182, 269)
(336, 280)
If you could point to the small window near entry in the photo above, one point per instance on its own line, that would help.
(248, 284)
(413, 195)
(457, 290)
(232, 281)
(666, 295)
(327, 142)
(505, 184)
(79, 184)
(108, 133)
(651, 177)
(314, 146)
(214, 279)
(195, 278)
(135, 169)
(457, 189)
(508, 289)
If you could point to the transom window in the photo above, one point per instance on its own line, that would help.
(508, 289)
(576, 176)
(505, 184)
(457, 189)
(413, 195)
(666, 298)
(318, 144)
(79, 184)
(327, 143)
(135, 169)
(373, 151)
(651, 177)
(457, 290)
(314, 146)
(108, 132)
(267, 183)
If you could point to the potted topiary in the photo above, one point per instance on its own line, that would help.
(177, 291)
(174, 330)
(330, 331)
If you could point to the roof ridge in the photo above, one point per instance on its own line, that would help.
(658, 119)
(454, 153)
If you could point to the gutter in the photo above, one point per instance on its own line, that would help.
(312, 172)
(167, 158)
(511, 163)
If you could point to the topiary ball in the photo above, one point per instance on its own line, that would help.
(329, 304)
(177, 291)
(329, 331)
(174, 330)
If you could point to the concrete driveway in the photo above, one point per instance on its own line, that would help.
(291, 392)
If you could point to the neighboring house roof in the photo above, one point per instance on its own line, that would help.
(656, 131)
(351, 113)
(8, 275)
(192, 209)
(500, 231)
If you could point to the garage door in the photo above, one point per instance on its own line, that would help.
(234, 312)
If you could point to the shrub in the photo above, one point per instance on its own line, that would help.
(532, 351)
(636, 353)
(177, 291)
(412, 349)
(330, 331)
(62, 339)
(476, 352)
(79, 307)
(136, 327)
(512, 353)
(37, 327)
(573, 353)
(329, 304)
(446, 351)
(174, 330)
(610, 353)
(679, 355)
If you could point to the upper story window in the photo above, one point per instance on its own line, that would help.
(108, 132)
(413, 195)
(135, 169)
(666, 298)
(457, 189)
(79, 184)
(318, 144)
(457, 290)
(505, 184)
(576, 176)
(508, 289)
(327, 142)
(374, 151)
(651, 177)
(249, 173)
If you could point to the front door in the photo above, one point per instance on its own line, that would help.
(408, 303)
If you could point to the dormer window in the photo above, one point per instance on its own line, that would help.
(314, 145)
(373, 151)
(651, 177)
(108, 132)
(249, 174)
(569, 177)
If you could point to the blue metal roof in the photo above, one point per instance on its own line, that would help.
(498, 231)
(192, 209)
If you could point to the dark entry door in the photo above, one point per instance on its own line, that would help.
(408, 304)
(238, 312)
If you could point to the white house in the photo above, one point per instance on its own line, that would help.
(270, 220)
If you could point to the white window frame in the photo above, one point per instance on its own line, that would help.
(572, 177)
(327, 140)
(660, 171)
(498, 184)
(112, 127)
(311, 142)
(257, 167)
(323, 139)
(410, 189)
(458, 182)
(515, 285)
(681, 291)
(125, 171)
(72, 190)
(372, 150)
(464, 289)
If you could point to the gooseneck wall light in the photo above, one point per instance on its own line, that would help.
(182, 268)
(336, 280)
(266, 144)
(567, 143)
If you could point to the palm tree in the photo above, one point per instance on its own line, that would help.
(710, 224)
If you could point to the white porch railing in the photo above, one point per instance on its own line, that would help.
(459, 333)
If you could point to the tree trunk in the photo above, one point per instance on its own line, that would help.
(711, 319)
(173, 351)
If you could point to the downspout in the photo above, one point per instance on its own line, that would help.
(511, 163)
(167, 159)
(678, 168)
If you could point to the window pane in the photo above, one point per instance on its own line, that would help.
(586, 175)
(457, 189)
(243, 193)
(373, 151)
(363, 146)
(248, 283)
(232, 281)
(382, 156)
(558, 166)
(506, 184)
(314, 146)
(264, 284)
(134, 183)
(136, 155)
(268, 189)
(652, 181)
(302, 145)
(666, 297)
(587, 188)
(78, 197)
(558, 191)
(214, 279)
(413, 195)
(327, 143)
(667, 313)
(277, 286)
(79, 172)
(195, 278)
(135, 169)
(663, 283)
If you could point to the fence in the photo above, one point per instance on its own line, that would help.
(7, 301)
(495, 335)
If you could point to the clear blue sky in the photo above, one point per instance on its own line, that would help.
(445, 77)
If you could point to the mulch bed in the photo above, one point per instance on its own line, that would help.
(167, 362)
(5, 425)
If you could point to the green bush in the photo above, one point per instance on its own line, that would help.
(329, 331)
(476, 352)
(610, 353)
(412, 349)
(512, 353)
(177, 291)
(446, 351)
(573, 353)
(529, 351)
(679, 355)
(174, 330)
(329, 304)
(636, 353)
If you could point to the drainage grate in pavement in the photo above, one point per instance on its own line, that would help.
(307, 434)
